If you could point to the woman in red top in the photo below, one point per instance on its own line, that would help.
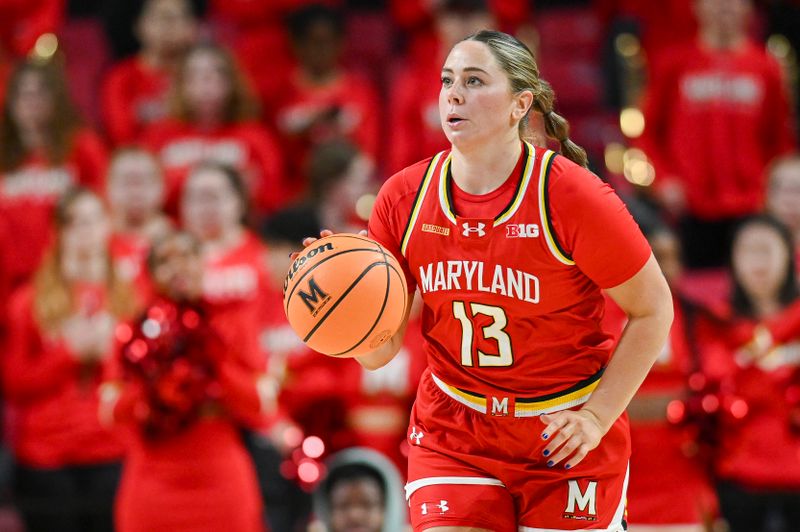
(519, 421)
(135, 192)
(322, 100)
(755, 359)
(43, 152)
(135, 91)
(214, 119)
(60, 341)
(183, 385)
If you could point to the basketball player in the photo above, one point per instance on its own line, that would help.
(518, 422)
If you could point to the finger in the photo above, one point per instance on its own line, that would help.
(308, 241)
(554, 423)
(566, 450)
(580, 454)
(363, 232)
(293, 255)
(325, 232)
(557, 440)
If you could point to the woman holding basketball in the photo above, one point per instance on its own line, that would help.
(518, 423)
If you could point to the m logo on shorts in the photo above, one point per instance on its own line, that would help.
(499, 407)
(581, 504)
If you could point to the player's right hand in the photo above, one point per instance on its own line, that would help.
(308, 240)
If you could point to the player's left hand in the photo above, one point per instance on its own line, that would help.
(572, 434)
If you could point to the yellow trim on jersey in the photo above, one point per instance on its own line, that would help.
(526, 178)
(443, 200)
(546, 227)
(522, 407)
(578, 397)
(423, 189)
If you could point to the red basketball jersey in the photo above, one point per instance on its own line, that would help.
(512, 303)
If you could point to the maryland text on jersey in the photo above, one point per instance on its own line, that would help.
(479, 276)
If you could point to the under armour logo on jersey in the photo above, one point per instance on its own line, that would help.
(416, 435)
(442, 506)
(479, 229)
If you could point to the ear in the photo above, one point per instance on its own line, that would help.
(522, 104)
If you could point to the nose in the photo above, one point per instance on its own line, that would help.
(454, 94)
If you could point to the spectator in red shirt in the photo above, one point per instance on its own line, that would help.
(755, 359)
(43, 152)
(214, 118)
(184, 385)
(716, 112)
(783, 195)
(60, 341)
(416, 131)
(135, 91)
(322, 100)
(136, 197)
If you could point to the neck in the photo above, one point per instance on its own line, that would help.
(33, 138)
(482, 169)
(722, 40)
(226, 241)
(91, 268)
(766, 307)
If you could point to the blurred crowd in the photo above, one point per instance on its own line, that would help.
(161, 159)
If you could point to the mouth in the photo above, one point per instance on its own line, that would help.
(455, 119)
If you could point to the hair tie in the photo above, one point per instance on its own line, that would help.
(548, 113)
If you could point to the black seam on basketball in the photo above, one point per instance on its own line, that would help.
(311, 269)
(383, 306)
(341, 298)
(385, 300)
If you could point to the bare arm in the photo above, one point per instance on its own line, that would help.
(646, 300)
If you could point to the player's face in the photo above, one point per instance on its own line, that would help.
(760, 261)
(356, 506)
(135, 189)
(87, 229)
(476, 105)
(210, 206)
(783, 198)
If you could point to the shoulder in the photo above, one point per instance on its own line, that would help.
(568, 177)
(407, 181)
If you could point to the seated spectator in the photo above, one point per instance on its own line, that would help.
(60, 341)
(416, 131)
(136, 196)
(361, 492)
(716, 112)
(135, 91)
(214, 119)
(43, 152)
(753, 359)
(783, 196)
(182, 386)
(322, 100)
(667, 452)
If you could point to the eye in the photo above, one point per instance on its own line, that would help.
(474, 81)
(446, 81)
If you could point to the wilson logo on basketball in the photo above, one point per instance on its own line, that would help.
(299, 262)
(315, 299)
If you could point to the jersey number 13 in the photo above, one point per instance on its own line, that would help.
(495, 331)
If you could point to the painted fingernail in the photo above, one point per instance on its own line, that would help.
(550, 463)
(545, 436)
(567, 466)
(545, 452)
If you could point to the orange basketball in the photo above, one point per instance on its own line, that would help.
(345, 295)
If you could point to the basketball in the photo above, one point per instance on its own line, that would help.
(345, 295)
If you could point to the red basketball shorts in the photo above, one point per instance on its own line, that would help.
(468, 468)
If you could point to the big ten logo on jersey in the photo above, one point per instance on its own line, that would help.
(581, 500)
(393, 378)
(314, 297)
(522, 231)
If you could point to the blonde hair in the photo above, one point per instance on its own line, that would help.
(53, 297)
(518, 62)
